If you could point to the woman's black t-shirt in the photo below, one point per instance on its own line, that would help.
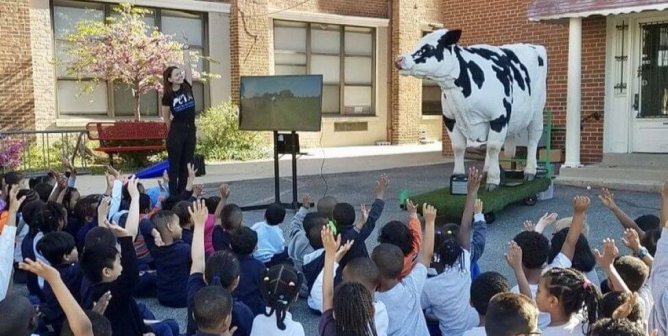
(182, 104)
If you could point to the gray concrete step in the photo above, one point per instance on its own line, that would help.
(621, 178)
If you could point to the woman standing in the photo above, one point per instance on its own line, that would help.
(178, 112)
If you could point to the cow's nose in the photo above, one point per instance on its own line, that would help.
(399, 62)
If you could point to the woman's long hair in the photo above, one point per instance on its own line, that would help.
(167, 85)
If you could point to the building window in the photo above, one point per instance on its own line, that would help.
(115, 99)
(343, 55)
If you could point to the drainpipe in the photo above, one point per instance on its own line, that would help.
(573, 101)
(390, 64)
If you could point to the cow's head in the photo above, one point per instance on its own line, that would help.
(432, 58)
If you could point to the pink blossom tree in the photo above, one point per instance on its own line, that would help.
(123, 49)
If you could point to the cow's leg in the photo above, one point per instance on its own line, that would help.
(458, 142)
(535, 132)
(494, 144)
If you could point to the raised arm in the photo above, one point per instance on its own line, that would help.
(514, 259)
(376, 208)
(297, 222)
(545, 221)
(479, 239)
(608, 200)
(198, 213)
(429, 214)
(132, 223)
(606, 262)
(632, 241)
(224, 191)
(580, 205)
(664, 203)
(467, 217)
(7, 244)
(331, 245)
(76, 317)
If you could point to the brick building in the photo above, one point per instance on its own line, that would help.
(602, 55)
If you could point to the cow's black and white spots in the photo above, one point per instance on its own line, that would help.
(490, 94)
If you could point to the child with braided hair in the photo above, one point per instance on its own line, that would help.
(280, 288)
(565, 293)
(453, 263)
(349, 309)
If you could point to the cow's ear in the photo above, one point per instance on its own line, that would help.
(451, 37)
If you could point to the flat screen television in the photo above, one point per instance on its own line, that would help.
(281, 103)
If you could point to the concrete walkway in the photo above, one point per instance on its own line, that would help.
(314, 161)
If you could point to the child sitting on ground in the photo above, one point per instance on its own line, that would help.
(364, 271)
(349, 309)
(402, 296)
(109, 270)
(280, 288)
(298, 245)
(243, 243)
(271, 248)
(510, 314)
(212, 310)
(453, 284)
(344, 219)
(59, 249)
(231, 219)
(483, 289)
(535, 249)
(220, 269)
(172, 261)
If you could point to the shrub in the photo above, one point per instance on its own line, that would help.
(219, 137)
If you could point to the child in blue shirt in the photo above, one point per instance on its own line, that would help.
(271, 248)
(172, 261)
(243, 243)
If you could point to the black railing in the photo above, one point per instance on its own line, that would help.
(43, 150)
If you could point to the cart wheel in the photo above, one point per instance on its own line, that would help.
(490, 217)
(531, 200)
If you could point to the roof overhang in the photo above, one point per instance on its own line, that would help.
(542, 10)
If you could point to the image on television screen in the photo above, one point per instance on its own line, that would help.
(281, 103)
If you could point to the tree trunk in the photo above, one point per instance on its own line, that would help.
(135, 95)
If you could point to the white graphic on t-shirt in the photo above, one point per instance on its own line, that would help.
(182, 103)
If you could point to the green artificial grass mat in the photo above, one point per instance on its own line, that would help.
(452, 206)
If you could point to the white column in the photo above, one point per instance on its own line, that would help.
(573, 101)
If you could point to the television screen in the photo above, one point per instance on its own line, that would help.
(280, 103)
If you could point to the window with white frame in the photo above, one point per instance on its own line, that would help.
(115, 99)
(343, 55)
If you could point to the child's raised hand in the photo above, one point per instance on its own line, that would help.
(132, 187)
(14, 202)
(103, 208)
(113, 172)
(474, 180)
(411, 208)
(607, 198)
(101, 305)
(198, 213)
(40, 269)
(330, 244)
(429, 213)
(547, 219)
(230, 331)
(477, 207)
(529, 226)
(118, 230)
(626, 308)
(364, 216)
(381, 186)
(306, 201)
(343, 249)
(191, 172)
(631, 240)
(224, 191)
(198, 190)
(610, 252)
(514, 255)
(580, 204)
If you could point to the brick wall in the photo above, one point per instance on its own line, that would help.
(44, 75)
(16, 87)
(409, 18)
(506, 22)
